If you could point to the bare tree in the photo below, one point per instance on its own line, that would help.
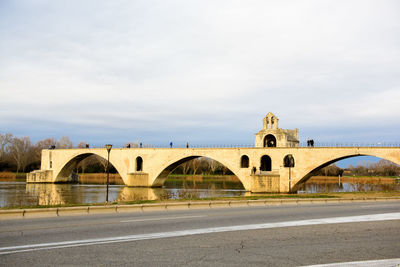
(43, 144)
(195, 164)
(185, 167)
(21, 152)
(213, 165)
(64, 142)
(46, 143)
(103, 162)
(5, 139)
(82, 144)
(83, 164)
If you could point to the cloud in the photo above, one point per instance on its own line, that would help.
(153, 69)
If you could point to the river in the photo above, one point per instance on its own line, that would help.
(18, 194)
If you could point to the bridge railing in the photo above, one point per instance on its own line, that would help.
(196, 146)
(301, 144)
(350, 144)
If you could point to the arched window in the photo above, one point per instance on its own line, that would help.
(288, 161)
(139, 164)
(244, 161)
(266, 163)
(269, 141)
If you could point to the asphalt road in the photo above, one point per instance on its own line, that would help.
(288, 235)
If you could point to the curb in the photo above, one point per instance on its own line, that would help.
(89, 210)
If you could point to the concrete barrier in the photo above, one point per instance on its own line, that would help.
(154, 207)
(319, 200)
(101, 209)
(129, 208)
(88, 210)
(238, 203)
(219, 204)
(256, 202)
(11, 214)
(40, 213)
(199, 205)
(177, 206)
(289, 201)
(273, 202)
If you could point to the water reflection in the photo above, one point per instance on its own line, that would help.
(20, 194)
(17, 194)
(138, 193)
(332, 186)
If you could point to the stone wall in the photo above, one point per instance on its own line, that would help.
(40, 176)
(266, 183)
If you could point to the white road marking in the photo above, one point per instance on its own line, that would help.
(97, 241)
(161, 219)
(373, 263)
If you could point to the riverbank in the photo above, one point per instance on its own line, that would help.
(12, 177)
(354, 179)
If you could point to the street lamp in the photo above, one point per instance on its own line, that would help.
(108, 146)
(289, 162)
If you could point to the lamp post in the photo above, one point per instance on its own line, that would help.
(290, 180)
(289, 162)
(108, 146)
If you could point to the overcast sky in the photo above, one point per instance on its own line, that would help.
(206, 72)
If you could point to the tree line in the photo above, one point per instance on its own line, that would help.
(19, 154)
(380, 168)
(202, 166)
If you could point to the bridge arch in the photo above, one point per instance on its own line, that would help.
(173, 164)
(68, 166)
(308, 171)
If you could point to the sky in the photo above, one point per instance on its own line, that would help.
(199, 71)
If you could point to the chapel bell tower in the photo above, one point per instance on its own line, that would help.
(272, 136)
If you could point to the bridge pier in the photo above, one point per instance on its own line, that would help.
(138, 179)
(40, 176)
(265, 183)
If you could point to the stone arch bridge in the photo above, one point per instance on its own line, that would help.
(149, 167)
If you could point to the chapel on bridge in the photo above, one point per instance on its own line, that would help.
(272, 136)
